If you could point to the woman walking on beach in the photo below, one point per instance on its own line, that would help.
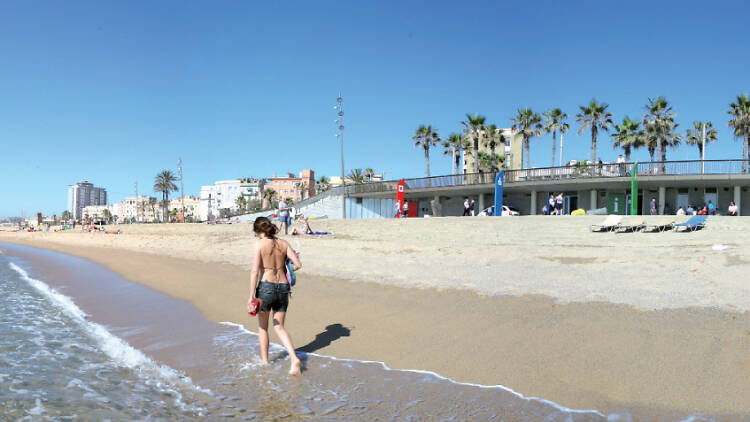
(269, 254)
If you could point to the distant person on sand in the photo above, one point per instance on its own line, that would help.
(269, 254)
(284, 217)
(471, 207)
(398, 210)
(711, 208)
(652, 206)
(559, 204)
(467, 207)
(304, 227)
(406, 209)
(681, 211)
(732, 210)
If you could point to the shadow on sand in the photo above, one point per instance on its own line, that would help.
(332, 333)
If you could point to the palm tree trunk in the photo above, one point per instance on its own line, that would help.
(457, 159)
(427, 160)
(627, 154)
(526, 151)
(659, 149)
(492, 157)
(554, 146)
(700, 150)
(475, 151)
(746, 149)
(663, 157)
(593, 144)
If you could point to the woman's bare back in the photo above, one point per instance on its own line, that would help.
(273, 253)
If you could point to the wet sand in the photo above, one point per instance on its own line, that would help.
(585, 355)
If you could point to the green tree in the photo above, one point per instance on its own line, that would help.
(695, 136)
(152, 203)
(164, 182)
(269, 195)
(594, 116)
(107, 216)
(66, 215)
(493, 137)
(369, 173)
(485, 161)
(740, 121)
(554, 123)
(660, 124)
(426, 137)
(628, 136)
(241, 202)
(473, 126)
(323, 184)
(454, 146)
(356, 176)
(528, 124)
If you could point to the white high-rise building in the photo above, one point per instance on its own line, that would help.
(83, 194)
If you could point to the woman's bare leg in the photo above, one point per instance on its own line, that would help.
(263, 335)
(286, 340)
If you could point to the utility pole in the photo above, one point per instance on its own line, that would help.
(182, 190)
(340, 123)
(137, 208)
(703, 148)
(561, 150)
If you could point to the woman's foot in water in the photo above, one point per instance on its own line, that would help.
(295, 367)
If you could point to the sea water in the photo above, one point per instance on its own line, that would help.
(58, 364)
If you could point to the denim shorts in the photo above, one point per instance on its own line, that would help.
(274, 296)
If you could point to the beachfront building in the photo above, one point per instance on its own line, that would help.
(135, 209)
(604, 188)
(221, 198)
(509, 151)
(252, 188)
(291, 186)
(83, 194)
(189, 203)
(96, 213)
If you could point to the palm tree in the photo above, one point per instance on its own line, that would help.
(241, 202)
(323, 183)
(740, 121)
(473, 126)
(485, 161)
(629, 136)
(659, 120)
(107, 215)
(66, 215)
(695, 136)
(356, 176)
(269, 195)
(164, 183)
(454, 145)
(493, 137)
(594, 116)
(152, 203)
(555, 123)
(426, 137)
(528, 124)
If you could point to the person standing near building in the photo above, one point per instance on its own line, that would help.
(471, 207)
(467, 207)
(406, 209)
(652, 206)
(559, 204)
(551, 204)
(732, 210)
(284, 218)
(711, 208)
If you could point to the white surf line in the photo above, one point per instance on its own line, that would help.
(420, 371)
(116, 348)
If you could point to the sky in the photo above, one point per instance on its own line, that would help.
(115, 92)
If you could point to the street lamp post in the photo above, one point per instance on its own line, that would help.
(340, 123)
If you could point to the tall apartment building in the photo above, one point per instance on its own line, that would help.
(296, 188)
(83, 194)
(510, 151)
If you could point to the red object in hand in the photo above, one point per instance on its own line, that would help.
(255, 305)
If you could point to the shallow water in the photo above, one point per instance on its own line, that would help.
(57, 363)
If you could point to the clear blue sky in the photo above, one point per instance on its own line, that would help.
(114, 92)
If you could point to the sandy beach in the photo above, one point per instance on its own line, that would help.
(648, 323)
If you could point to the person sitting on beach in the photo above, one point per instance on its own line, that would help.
(704, 210)
(304, 229)
(270, 254)
(732, 210)
(681, 211)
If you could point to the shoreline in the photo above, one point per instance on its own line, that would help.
(593, 355)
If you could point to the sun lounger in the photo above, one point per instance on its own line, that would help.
(609, 223)
(694, 223)
(631, 224)
(659, 224)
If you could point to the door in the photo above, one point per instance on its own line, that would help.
(570, 203)
(628, 204)
(616, 203)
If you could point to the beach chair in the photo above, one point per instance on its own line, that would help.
(694, 223)
(631, 224)
(609, 223)
(659, 224)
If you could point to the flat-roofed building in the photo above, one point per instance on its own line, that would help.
(293, 187)
(83, 194)
(510, 151)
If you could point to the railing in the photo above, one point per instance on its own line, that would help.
(589, 171)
